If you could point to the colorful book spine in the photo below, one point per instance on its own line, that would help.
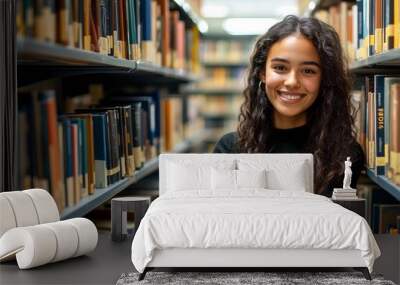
(379, 82)
(69, 177)
(100, 149)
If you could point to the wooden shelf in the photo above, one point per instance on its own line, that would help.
(187, 12)
(386, 62)
(100, 196)
(385, 183)
(39, 60)
(228, 64)
(219, 116)
(213, 91)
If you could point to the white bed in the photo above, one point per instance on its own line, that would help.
(247, 210)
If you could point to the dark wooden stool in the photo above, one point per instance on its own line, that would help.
(119, 208)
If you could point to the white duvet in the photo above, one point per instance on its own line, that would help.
(250, 219)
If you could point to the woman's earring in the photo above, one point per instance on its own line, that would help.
(259, 85)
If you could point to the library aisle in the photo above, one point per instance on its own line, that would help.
(92, 92)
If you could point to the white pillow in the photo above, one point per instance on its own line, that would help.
(227, 179)
(223, 179)
(251, 178)
(291, 179)
(280, 175)
(186, 174)
(182, 177)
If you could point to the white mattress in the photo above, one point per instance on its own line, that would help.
(256, 218)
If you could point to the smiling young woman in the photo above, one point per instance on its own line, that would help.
(292, 78)
(297, 101)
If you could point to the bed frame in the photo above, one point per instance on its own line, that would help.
(243, 259)
(249, 258)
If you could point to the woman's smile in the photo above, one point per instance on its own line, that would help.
(290, 97)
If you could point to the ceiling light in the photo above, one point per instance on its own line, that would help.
(248, 26)
(288, 10)
(203, 27)
(214, 11)
(311, 5)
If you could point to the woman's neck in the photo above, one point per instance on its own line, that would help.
(284, 122)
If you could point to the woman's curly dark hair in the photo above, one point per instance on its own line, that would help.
(329, 118)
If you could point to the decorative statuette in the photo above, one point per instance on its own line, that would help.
(345, 193)
(347, 174)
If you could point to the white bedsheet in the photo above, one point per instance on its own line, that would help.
(250, 219)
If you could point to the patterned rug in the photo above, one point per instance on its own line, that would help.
(230, 278)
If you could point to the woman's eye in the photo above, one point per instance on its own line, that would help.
(279, 67)
(309, 71)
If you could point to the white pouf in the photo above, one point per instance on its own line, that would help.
(40, 244)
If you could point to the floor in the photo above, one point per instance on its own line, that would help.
(102, 266)
(110, 259)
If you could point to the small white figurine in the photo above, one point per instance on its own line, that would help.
(347, 174)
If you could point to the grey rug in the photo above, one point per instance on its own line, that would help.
(229, 278)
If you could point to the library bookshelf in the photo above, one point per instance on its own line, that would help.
(360, 25)
(34, 63)
(387, 63)
(90, 202)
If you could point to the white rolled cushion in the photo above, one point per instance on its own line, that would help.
(182, 177)
(33, 246)
(45, 243)
(251, 178)
(66, 238)
(87, 235)
(45, 205)
(23, 208)
(7, 218)
(223, 179)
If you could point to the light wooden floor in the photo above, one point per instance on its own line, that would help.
(102, 266)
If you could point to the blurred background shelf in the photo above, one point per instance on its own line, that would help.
(213, 91)
(385, 183)
(222, 63)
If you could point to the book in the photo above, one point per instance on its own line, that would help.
(81, 157)
(378, 25)
(68, 166)
(122, 28)
(389, 25)
(341, 190)
(100, 141)
(394, 167)
(75, 162)
(87, 20)
(51, 144)
(379, 83)
(390, 125)
(165, 23)
(146, 42)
